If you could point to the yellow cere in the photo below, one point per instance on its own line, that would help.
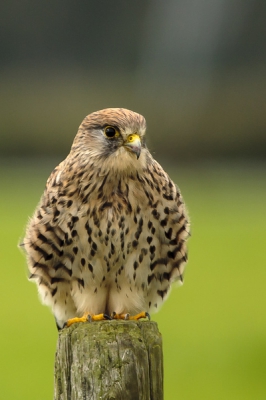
(131, 138)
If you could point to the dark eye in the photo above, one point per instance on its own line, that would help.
(111, 132)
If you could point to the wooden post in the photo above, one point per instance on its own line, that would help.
(109, 360)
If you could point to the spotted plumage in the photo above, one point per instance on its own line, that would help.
(109, 234)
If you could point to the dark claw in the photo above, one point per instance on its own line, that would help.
(89, 318)
(107, 316)
(126, 317)
(147, 315)
(113, 314)
(59, 328)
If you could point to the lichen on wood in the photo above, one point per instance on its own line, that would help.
(109, 360)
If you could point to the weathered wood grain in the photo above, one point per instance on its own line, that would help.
(109, 360)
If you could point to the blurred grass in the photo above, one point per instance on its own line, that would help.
(213, 327)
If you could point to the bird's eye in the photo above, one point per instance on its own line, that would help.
(111, 132)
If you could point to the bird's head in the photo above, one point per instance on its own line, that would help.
(113, 137)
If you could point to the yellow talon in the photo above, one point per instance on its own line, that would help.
(87, 317)
(136, 317)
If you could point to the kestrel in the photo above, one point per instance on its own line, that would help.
(108, 237)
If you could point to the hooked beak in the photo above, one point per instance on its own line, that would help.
(133, 144)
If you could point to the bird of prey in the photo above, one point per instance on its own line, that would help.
(108, 237)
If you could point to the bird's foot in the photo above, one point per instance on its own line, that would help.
(127, 316)
(87, 317)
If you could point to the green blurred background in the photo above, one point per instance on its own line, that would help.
(196, 71)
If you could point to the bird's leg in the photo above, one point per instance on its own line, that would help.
(136, 317)
(87, 317)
